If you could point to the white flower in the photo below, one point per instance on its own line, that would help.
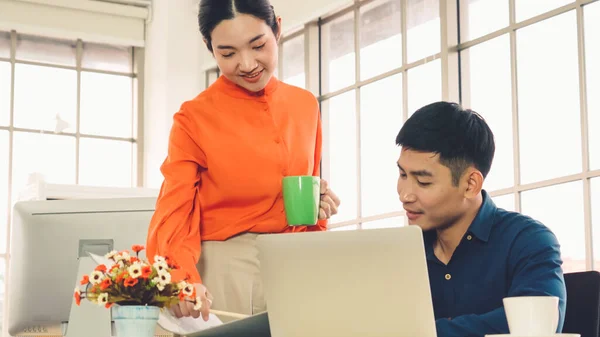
(102, 299)
(198, 304)
(161, 267)
(111, 255)
(96, 277)
(164, 278)
(135, 270)
(181, 285)
(158, 258)
(188, 290)
(122, 256)
(160, 286)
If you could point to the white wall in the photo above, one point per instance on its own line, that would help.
(174, 59)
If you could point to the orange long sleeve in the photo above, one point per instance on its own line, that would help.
(228, 152)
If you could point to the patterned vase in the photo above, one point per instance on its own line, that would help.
(135, 320)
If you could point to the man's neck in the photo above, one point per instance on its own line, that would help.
(450, 237)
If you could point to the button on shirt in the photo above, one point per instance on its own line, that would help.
(502, 254)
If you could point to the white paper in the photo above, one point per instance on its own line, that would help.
(186, 325)
(101, 260)
(170, 323)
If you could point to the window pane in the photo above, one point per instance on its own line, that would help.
(344, 228)
(2, 290)
(423, 29)
(564, 216)
(549, 116)
(5, 84)
(4, 45)
(339, 151)
(93, 156)
(486, 85)
(595, 186)
(380, 37)
(51, 155)
(592, 58)
(481, 17)
(526, 9)
(338, 54)
(380, 122)
(397, 221)
(46, 50)
(3, 189)
(506, 202)
(42, 93)
(102, 116)
(424, 85)
(293, 62)
(104, 57)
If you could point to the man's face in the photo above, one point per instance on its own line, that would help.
(425, 188)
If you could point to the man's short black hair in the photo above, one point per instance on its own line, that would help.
(461, 137)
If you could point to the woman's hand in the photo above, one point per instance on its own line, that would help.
(329, 202)
(186, 308)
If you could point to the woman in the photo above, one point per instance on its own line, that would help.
(229, 149)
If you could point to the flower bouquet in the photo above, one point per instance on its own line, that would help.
(135, 290)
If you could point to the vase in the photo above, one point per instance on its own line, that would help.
(135, 320)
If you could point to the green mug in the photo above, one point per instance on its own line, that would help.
(301, 198)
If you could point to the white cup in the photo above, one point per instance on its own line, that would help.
(532, 315)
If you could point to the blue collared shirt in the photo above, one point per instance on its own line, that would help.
(502, 254)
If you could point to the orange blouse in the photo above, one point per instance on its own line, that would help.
(228, 152)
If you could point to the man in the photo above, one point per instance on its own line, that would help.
(477, 254)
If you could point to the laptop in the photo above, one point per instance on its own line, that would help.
(347, 283)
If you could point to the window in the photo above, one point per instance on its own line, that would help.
(380, 37)
(481, 17)
(530, 92)
(338, 53)
(524, 67)
(592, 65)
(363, 107)
(293, 61)
(553, 99)
(486, 84)
(423, 29)
(595, 191)
(564, 216)
(339, 150)
(67, 108)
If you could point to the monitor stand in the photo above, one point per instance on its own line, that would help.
(88, 319)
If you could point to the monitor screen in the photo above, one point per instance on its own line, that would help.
(47, 240)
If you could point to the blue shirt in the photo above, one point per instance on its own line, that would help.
(502, 254)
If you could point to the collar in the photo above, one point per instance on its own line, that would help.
(230, 88)
(484, 220)
(481, 226)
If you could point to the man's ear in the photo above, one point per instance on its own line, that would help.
(473, 182)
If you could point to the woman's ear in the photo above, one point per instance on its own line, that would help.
(278, 28)
(208, 46)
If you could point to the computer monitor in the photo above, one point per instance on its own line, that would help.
(49, 238)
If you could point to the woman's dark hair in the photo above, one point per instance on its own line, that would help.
(212, 12)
